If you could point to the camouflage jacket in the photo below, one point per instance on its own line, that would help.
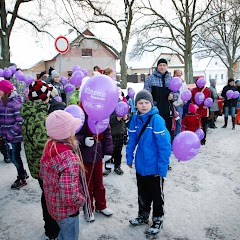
(34, 133)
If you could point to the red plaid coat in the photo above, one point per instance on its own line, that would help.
(60, 172)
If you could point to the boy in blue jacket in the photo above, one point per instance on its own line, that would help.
(151, 159)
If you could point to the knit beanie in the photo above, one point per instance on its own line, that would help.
(39, 91)
(61, 125)
(192, 108)
(6, 86)
(144, 94)
(162, 60)
(55, 74)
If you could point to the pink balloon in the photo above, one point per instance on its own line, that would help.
(97, 127)
(186, 95)
(199, 98)
(63, 80)
(235, 94)
(121, 109)
(201, 82)
(28, 80)
(208, 102)
(175, 84)
(19, 75)
(76, 112)
(131, 93)
(229, 93)
(1, 72)
(200, 133)
(186, 145)
(13, 69)
(7, 73)
(26, 91)
(69, 87)
(76, 78)
(99, 97)
(75, 68)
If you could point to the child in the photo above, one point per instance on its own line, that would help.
(192, 120)
(11, 129)
(148, 130)
(94, 149)
(118, 129)
(62, 173)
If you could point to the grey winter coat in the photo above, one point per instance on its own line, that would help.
(214, 96)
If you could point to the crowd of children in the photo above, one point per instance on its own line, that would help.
(68, 162)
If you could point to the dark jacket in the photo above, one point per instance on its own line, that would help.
(228, 102)
(158, 85)
(117, 127)
(103, 144)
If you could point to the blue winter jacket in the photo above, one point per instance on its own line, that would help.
(154, 148)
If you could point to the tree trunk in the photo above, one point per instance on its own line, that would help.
(123, 66)
(188, 69)
(230, 72)
(5, 50)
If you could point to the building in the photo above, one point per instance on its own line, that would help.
(85, 52)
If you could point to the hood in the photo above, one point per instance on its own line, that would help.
(158, 74)
(14, 95)
(30, 108)
(52, 151)
(212, 81)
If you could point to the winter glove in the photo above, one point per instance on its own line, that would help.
(107, 157)
(89, 141)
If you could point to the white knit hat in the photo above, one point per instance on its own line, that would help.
(61, 125)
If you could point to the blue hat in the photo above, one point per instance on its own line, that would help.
(237, 81)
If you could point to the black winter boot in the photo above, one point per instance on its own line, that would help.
(225, 122)
(233, 123)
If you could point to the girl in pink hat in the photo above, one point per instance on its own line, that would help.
(62, 172)
(11, 129)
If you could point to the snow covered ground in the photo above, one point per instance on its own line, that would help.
(202, 198)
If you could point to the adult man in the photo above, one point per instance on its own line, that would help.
(158, 84)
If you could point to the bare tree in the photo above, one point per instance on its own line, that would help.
(120, 18)
(179, 33)
(221, 35)
(8, 20)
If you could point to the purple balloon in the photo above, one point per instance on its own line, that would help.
(1, 72)
(63, 80)
(175, 84)
(131, 93)
(75, 68)
(186, 145)
(28, 80)
(13, 69)
(76, 112)
(99, 97)
(19, 75)
(201, 82)
(76, 78)
(235, 94)
(200, 133)
(85, 72)
(208, 102)
(7, 73)
(199, 98)
(58, 99)
(97, 127)
(26, 91)
(229, 93)
(186, 95)
(69, 87)
(121, 109)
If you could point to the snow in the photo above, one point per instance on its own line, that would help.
(202, 198)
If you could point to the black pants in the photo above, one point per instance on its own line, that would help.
(51, 226)
(204, 127)
(3, 149)
(168, 122)
(150, 190)
(117, 151)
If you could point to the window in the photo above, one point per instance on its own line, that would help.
(222, 76)
(209, 76)
(216, 76)
(86, 52)
(215, 63)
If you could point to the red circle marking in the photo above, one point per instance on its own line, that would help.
(64, 41)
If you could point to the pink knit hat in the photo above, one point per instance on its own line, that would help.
(192, 108)
(61, 125)
(6, 86)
